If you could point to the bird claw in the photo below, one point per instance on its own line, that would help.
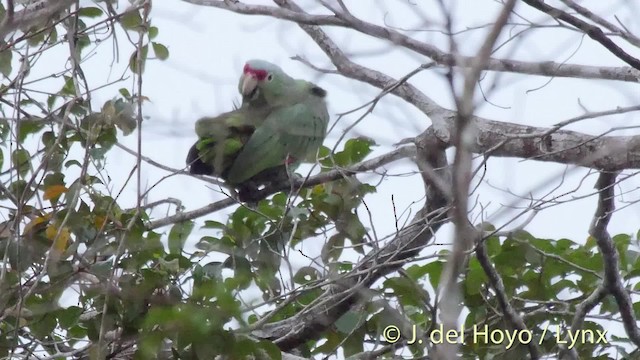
(249, 194)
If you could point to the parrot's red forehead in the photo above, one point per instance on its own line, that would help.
(259, 74)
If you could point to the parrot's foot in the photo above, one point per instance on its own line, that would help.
(249, 194)
(251, 191)
(195, 163)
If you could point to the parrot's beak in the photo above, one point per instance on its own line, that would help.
(249, 84)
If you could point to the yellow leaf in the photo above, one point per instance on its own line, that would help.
(35, 222)
(51, 232)
(54, 191)
(59, 243)
(99, 222)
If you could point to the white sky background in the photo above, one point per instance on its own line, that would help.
(209, 46)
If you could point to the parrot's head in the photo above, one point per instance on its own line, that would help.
(262, 77)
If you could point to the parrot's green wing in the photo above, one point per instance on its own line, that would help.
(281, 120)
(221, 138)
(295, 131)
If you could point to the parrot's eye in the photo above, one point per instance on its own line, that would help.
(269, 77)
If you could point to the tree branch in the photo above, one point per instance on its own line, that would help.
(289, 11)
(632, 39)
(509, 312)
(612, 279)
(582, 310)
(400, 153)
(592, 31)
(504, 139)
(32, 14)
(464, 233)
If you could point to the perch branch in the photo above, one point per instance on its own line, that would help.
(364, 166)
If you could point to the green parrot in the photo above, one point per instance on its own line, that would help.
(281, 122)
(222, 136)
(294, 129)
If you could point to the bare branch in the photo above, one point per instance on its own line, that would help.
(504, 139)
(612, 279)
(290, 11)
(464, 233)
(632, 39)
(592, 31)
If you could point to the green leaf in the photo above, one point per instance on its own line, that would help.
(131, 20)
(493, 245)
(53, 36)
(5, 62)
(83, 42)
(36, 39)
(28, 127)
(69, 316)
(70, 163)
(270, 349)
(51, 101)
(125, 93)
(210, 224)
(153, 32)
(332, 342)
(69, 88)
(434, 270)
(124, 117)
(348, 322)
(90, 12)
(133, 60)
(406, 290)
(242, 271)
(333, 248)
(21, 190)
(5, 129)
(178, 236)
(358, 148)
(353, 229)
(416, 272)
(305, 275)
(21, 160)
(160, 50)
